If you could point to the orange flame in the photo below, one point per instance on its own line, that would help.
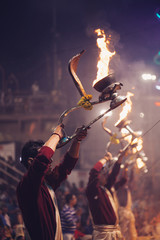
(127, 106)
(104, 56)
(139, 143)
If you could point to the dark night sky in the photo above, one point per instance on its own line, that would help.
(27, 32)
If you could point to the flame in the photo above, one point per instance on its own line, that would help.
(139, 142)
(125, 133)
(140, 163)
(104, 56)
(127, 106)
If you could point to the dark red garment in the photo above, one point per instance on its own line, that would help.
(99, 203)
(78, 234)
(33, 196)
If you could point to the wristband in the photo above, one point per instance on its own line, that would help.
(78, 140)
(57, 135)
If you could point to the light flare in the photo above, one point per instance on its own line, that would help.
(104, 56)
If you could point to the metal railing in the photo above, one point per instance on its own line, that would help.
(7, 177)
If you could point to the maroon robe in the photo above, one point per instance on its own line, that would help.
(34, 200)
(98, 200)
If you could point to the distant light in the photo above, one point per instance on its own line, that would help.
(157, 13)
(148, 76)
(157, 58)
(157, 104)
(141, 115)
(145, 170)
(157, 87)
(107, 114)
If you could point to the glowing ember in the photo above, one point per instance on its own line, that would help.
(127, 106)
(125, 132)
(139, 143)
(140, 163)
(104, 56)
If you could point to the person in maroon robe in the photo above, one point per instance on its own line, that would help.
(100, 197)
(35, 192)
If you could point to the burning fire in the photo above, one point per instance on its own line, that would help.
(127, 106)
(137, 141)
(104, 56)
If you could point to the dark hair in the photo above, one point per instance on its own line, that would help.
(69, 197)
(30, 149)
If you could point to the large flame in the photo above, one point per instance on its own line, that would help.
(127, 107)
(104, 56)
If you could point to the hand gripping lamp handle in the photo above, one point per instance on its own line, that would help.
(65, 139)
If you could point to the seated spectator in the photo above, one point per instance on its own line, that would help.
(19, 228)
(69, 217)
(6, 216)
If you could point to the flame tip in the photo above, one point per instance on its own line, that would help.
(104, 56)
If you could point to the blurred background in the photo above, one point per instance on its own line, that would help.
(38, 38)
